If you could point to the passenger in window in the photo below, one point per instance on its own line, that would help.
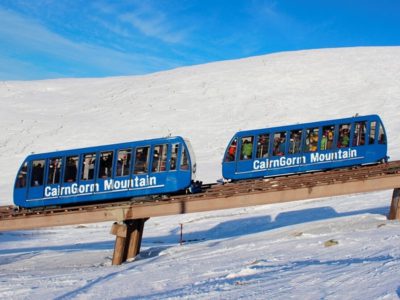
(313, 142)
(54, 171)
(37, 175)
(344, 138)
(247, 149)
(329, 143)
(140, 164)
(382, 139)
(173, 163)
(21, 182)
(281, 148)
(232, 151)
(103, 167)
(324, 141)
(294, 143)
(91, 168)
(120, 163)
(277, 143)
(70, 171)
(156, 159)
(262, 148)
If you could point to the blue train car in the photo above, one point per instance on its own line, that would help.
(119, 171)
(305, 147)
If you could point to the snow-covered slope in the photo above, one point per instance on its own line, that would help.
(272, 251)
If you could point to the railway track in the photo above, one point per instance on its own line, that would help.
(212, 191)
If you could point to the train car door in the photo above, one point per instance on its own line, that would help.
(159, 167)
(122, 178)
(69, 183)
(104, 175)
(36, 181)
(53, 179)
(245, 155)
(88, 172)
(229, 162)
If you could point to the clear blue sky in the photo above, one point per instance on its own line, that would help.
(42, 39)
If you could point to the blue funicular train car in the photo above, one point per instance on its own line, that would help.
(305, 147)
(101, 173)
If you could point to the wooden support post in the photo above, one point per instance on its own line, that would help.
(394, 213)
(119, 230)
(128, 239)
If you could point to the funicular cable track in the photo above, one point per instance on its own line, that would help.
(217, 191)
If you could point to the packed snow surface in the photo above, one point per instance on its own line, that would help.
(334, 248)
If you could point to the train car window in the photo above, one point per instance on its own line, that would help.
(360, 129)
(21, 178)
(344, 135)
(372, 131)
(262, 146)
(328, 136)
(174, 156)
(124, 162)
(381, 136)
(246, 151)
(159, 162)
(106, 162)
(295, 141)
(311, 140)
(141, 160)
(37, 172)
(71, 169)
(184, 160)
(54, 170)
(88, 166)
(279, 144)
(231, 153)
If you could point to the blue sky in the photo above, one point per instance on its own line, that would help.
(41, 39)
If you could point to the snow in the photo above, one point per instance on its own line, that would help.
(332, 248)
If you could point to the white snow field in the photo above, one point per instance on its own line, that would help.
(333, 248)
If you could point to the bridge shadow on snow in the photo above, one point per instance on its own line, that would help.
(244, 226)
(152, 246)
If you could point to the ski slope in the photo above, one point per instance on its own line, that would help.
(336, 248)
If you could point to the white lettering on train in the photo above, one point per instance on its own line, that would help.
(315, 157)
(136, 182)
(109, 184)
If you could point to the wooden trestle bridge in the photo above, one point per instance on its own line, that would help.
(130, 216)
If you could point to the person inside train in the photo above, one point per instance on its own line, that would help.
(70, 170)
(344, 138)
(247, 149)
(294, 142)
(281, 147)
(232, 151)
(21, 181)
(329, 142)
(141, 161)
(324, 141)
(313, 142)
(156, 159)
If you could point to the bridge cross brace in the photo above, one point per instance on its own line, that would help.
(128, 239)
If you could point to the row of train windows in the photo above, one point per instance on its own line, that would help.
(307, 140)
(88, 165)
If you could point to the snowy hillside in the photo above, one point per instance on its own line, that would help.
(262, 252)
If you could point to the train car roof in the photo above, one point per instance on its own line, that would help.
(303, 125)
(104, 147)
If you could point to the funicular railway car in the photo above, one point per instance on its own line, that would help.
(102, 173)
(305, 147)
